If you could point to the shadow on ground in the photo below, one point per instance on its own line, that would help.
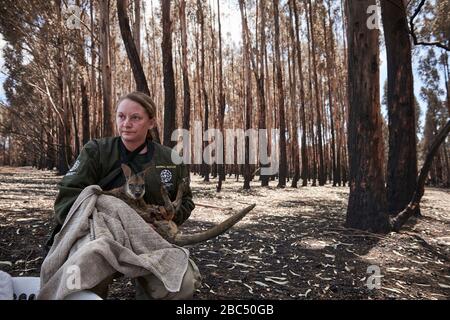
(291, 246)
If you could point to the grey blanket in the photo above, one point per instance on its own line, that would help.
(102, 235)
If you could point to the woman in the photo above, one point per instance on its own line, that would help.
(99, 163)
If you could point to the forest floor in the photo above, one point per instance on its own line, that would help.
(291, 246)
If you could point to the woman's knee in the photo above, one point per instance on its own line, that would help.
(150, 287)
(191, 282)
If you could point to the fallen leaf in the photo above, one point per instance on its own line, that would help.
(277, 282)
(349, 269)
(295, 274)
(243, 265)
(423, 285)
(393, 290)
(397, 253)
(277, 278)
(211, 265)
(319, 275)
(305, 294)
(261, 283)
(327, 265)
(397, 269)
(250, 288)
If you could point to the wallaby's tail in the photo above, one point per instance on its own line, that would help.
(183, 240)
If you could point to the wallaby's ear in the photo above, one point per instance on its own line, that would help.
(126, 171)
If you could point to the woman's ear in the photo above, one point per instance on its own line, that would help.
(151, 123)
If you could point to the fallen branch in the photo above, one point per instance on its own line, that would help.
(402, 217)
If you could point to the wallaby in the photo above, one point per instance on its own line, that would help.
(160, 218)
(132, 193)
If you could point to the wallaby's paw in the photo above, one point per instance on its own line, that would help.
(167, 229)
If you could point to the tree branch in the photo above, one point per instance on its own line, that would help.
(133, 55)
(402, 217)
(413, 34)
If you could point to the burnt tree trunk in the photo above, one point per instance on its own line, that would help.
(313, 159)
(186, 88)
(322, 177)
(329, 52)
(279, 80)
(221, 166)
(108, 126)
(248, 94)
(304, 153)
(261, 86)
(258, 71)
(402, 161)
(133, 55)
(367, 200)
(137, 26)
(130, 46)
(295, 148)
(76, 135)
(447, 81)
(170, 103)
(93, 94)
(64, 128)
(85, 113)
(205, 168)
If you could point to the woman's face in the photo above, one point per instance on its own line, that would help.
(133, 121)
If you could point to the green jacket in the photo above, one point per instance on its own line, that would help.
(99, 157)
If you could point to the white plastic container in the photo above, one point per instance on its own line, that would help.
(31, 285)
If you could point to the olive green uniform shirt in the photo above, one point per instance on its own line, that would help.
(99, 157)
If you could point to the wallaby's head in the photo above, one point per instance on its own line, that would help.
(135, 183)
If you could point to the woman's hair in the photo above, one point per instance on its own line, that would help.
(145, 101)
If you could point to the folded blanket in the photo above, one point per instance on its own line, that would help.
(102, 235)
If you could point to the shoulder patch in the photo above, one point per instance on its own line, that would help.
(166, 176)
(74, 168)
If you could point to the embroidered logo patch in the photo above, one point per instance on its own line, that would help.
(166, 176)
(74, 168)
